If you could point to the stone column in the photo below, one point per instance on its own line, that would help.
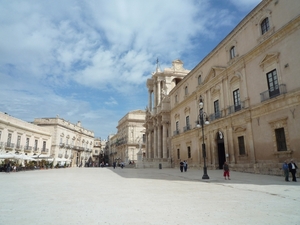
(155, 141)
(164, 141)
(158, 92)
(149, 100)
(149, 145)
(159, 139)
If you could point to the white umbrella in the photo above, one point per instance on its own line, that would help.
(8, 156)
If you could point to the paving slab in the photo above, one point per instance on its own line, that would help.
(146, 196)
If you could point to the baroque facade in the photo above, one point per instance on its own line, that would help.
(250, 86)
(20, 137)
(129, 138)
(157, 122)
(71, 143)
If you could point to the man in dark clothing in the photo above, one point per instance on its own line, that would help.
(292, 168)
(181, 166)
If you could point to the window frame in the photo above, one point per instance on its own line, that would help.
(265, 25)
(241, 145)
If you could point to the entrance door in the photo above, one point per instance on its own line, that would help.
(221, 154)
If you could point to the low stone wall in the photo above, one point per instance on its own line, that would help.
(153, 163)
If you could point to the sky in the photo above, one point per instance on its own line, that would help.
(89, 60)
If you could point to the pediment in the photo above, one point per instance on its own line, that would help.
(214, 71)
(269, 58)
(239, 129)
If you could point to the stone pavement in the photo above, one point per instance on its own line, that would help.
(146, 196)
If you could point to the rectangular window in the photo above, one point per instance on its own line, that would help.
(189, 152)
(35, 145)
(177, 126)
(27, 142)
(187, 122)
(9, 139)
(232, 52)
(265, 26)
(237, 100)
(199, 80)
(280, 139)
(178, 154)
(19, 141)
(241, 145)
(44, 145)
(216, 109)
(273, 83)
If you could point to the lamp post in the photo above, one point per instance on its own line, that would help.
(202, 117)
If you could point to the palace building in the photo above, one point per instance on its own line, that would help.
(250, 88)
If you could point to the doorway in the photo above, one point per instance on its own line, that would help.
(221, 149)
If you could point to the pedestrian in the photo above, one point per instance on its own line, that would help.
(226, 170)
(181, 166)
(285, 168)
(185, 165)
(292, 168)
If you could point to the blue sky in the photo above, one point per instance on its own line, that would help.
(89, 60)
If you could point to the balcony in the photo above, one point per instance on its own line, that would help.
(215, 116)
(72, 156)
(67, 146)
(35, 149)
(235, 108)
(176, 132)
(45, 151)
(186, 128)
(9, 146)
(19, 147)
(61, 145)
(28, 149)
(66, 156)
(272, 93)
(60, 155)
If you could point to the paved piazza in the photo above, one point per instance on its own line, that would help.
(146, 196)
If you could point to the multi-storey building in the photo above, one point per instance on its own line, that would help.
(110, 148)
(157, 124)
(130, 136)
(71, 143)
(250, 87)
(23, 138)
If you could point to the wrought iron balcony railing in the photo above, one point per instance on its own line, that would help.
(272, 93)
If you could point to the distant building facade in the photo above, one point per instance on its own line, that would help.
(130, 137)
(71, 143)
(20, 137)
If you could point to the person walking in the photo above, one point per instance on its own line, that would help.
(226, 170)
(285, 168)
(292, 168)
(114, 164)
(185, 165)
(181, 166)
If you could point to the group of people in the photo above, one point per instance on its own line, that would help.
(183, 166)
(290, 167)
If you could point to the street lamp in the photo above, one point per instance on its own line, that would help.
(202, 117)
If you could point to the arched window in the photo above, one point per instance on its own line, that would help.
(186, 90)
(265, 26)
